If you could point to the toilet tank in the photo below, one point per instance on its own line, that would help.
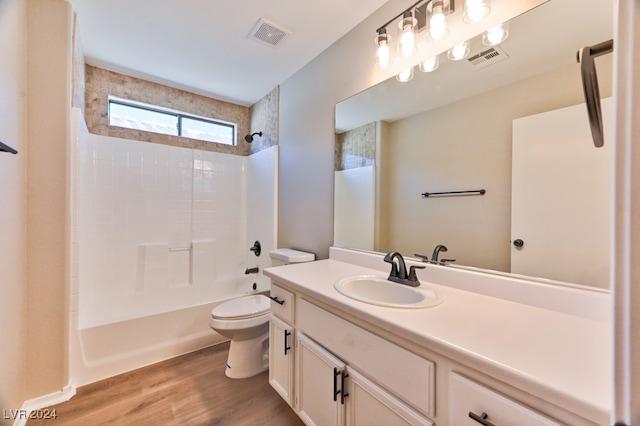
(285, 256)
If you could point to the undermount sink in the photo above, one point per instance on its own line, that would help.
(379, 291)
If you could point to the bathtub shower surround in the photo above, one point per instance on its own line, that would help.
(163, 227)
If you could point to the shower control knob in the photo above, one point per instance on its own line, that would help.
(518, 243)
(256, 249)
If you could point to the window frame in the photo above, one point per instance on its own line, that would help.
(178, 114)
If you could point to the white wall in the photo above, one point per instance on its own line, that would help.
(307, 130)
(13, 210)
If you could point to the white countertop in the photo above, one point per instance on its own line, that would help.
(562, 358)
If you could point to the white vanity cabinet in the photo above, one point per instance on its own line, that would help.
(329, 392)
(281, 343)
(344, 366)
(348, 376)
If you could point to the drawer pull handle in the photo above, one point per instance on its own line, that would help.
(482, 418)
(336, 373)
(344, 393)
(275, 299)
(287, 333)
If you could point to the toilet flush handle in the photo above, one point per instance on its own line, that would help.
(275, 299)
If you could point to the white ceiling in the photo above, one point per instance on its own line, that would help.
(202, 45)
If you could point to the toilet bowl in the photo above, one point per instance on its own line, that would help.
(245, 321)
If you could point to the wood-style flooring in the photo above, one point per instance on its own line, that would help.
(188, 390)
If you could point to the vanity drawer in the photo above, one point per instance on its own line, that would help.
(470, 397)
(282, 302)
(403, 373)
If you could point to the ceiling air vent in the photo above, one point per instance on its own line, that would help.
(268, 33)
(487, 56)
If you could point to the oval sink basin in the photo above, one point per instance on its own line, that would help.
(382, 292)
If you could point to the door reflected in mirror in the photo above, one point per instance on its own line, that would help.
(514, 126)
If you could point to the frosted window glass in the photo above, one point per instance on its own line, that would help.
(207, 131)
(137, 118)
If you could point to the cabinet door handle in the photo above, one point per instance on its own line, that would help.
(336, 391)
(275, 299)
(344, 393)
(482, 418)
(287, 333)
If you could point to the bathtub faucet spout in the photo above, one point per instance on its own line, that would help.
(251, 270)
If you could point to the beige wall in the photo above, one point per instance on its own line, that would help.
(13, 325)
(49, 32)
(101, 83)
(466, 146)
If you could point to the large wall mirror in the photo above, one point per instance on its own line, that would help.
(512, 123)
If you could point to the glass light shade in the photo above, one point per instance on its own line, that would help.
(405, 75)
(496, 35)
(430, 64)
(459, 51)
(383, 50)
(437, 24)
(475, 10)
(407, 35)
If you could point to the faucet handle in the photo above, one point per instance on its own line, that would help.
(412, 273)
(422, 257)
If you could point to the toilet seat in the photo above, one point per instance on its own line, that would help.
(242, 308)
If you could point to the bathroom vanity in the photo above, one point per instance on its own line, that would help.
(496, 350)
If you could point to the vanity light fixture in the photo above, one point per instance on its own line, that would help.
(405, 75)
(430, 64)
(496, 35)
(431, 15)
(407, 34)
(459, 51)
(476, 10)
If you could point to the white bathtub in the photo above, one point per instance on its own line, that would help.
(103, 350)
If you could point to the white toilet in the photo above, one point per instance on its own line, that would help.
(245, 321)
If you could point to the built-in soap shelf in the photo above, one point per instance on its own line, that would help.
(6, 148)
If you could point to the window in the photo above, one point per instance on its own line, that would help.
(151, 118)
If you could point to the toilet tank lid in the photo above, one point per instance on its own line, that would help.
(292, 256)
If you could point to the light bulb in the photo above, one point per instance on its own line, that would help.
(475, 10)
(405, 75)
(429, 64)
(383, 56)
(458, 52)
(407, 43)
(407, 37)
(438, 24)
(383, 52)
(495, 35)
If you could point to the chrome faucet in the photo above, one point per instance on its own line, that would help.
(398, 272)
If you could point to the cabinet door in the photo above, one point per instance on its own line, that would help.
(368, 404)
(318, 384)
(281, 358)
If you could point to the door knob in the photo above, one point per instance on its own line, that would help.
(518, 243)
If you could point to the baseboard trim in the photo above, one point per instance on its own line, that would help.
(31, 405)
